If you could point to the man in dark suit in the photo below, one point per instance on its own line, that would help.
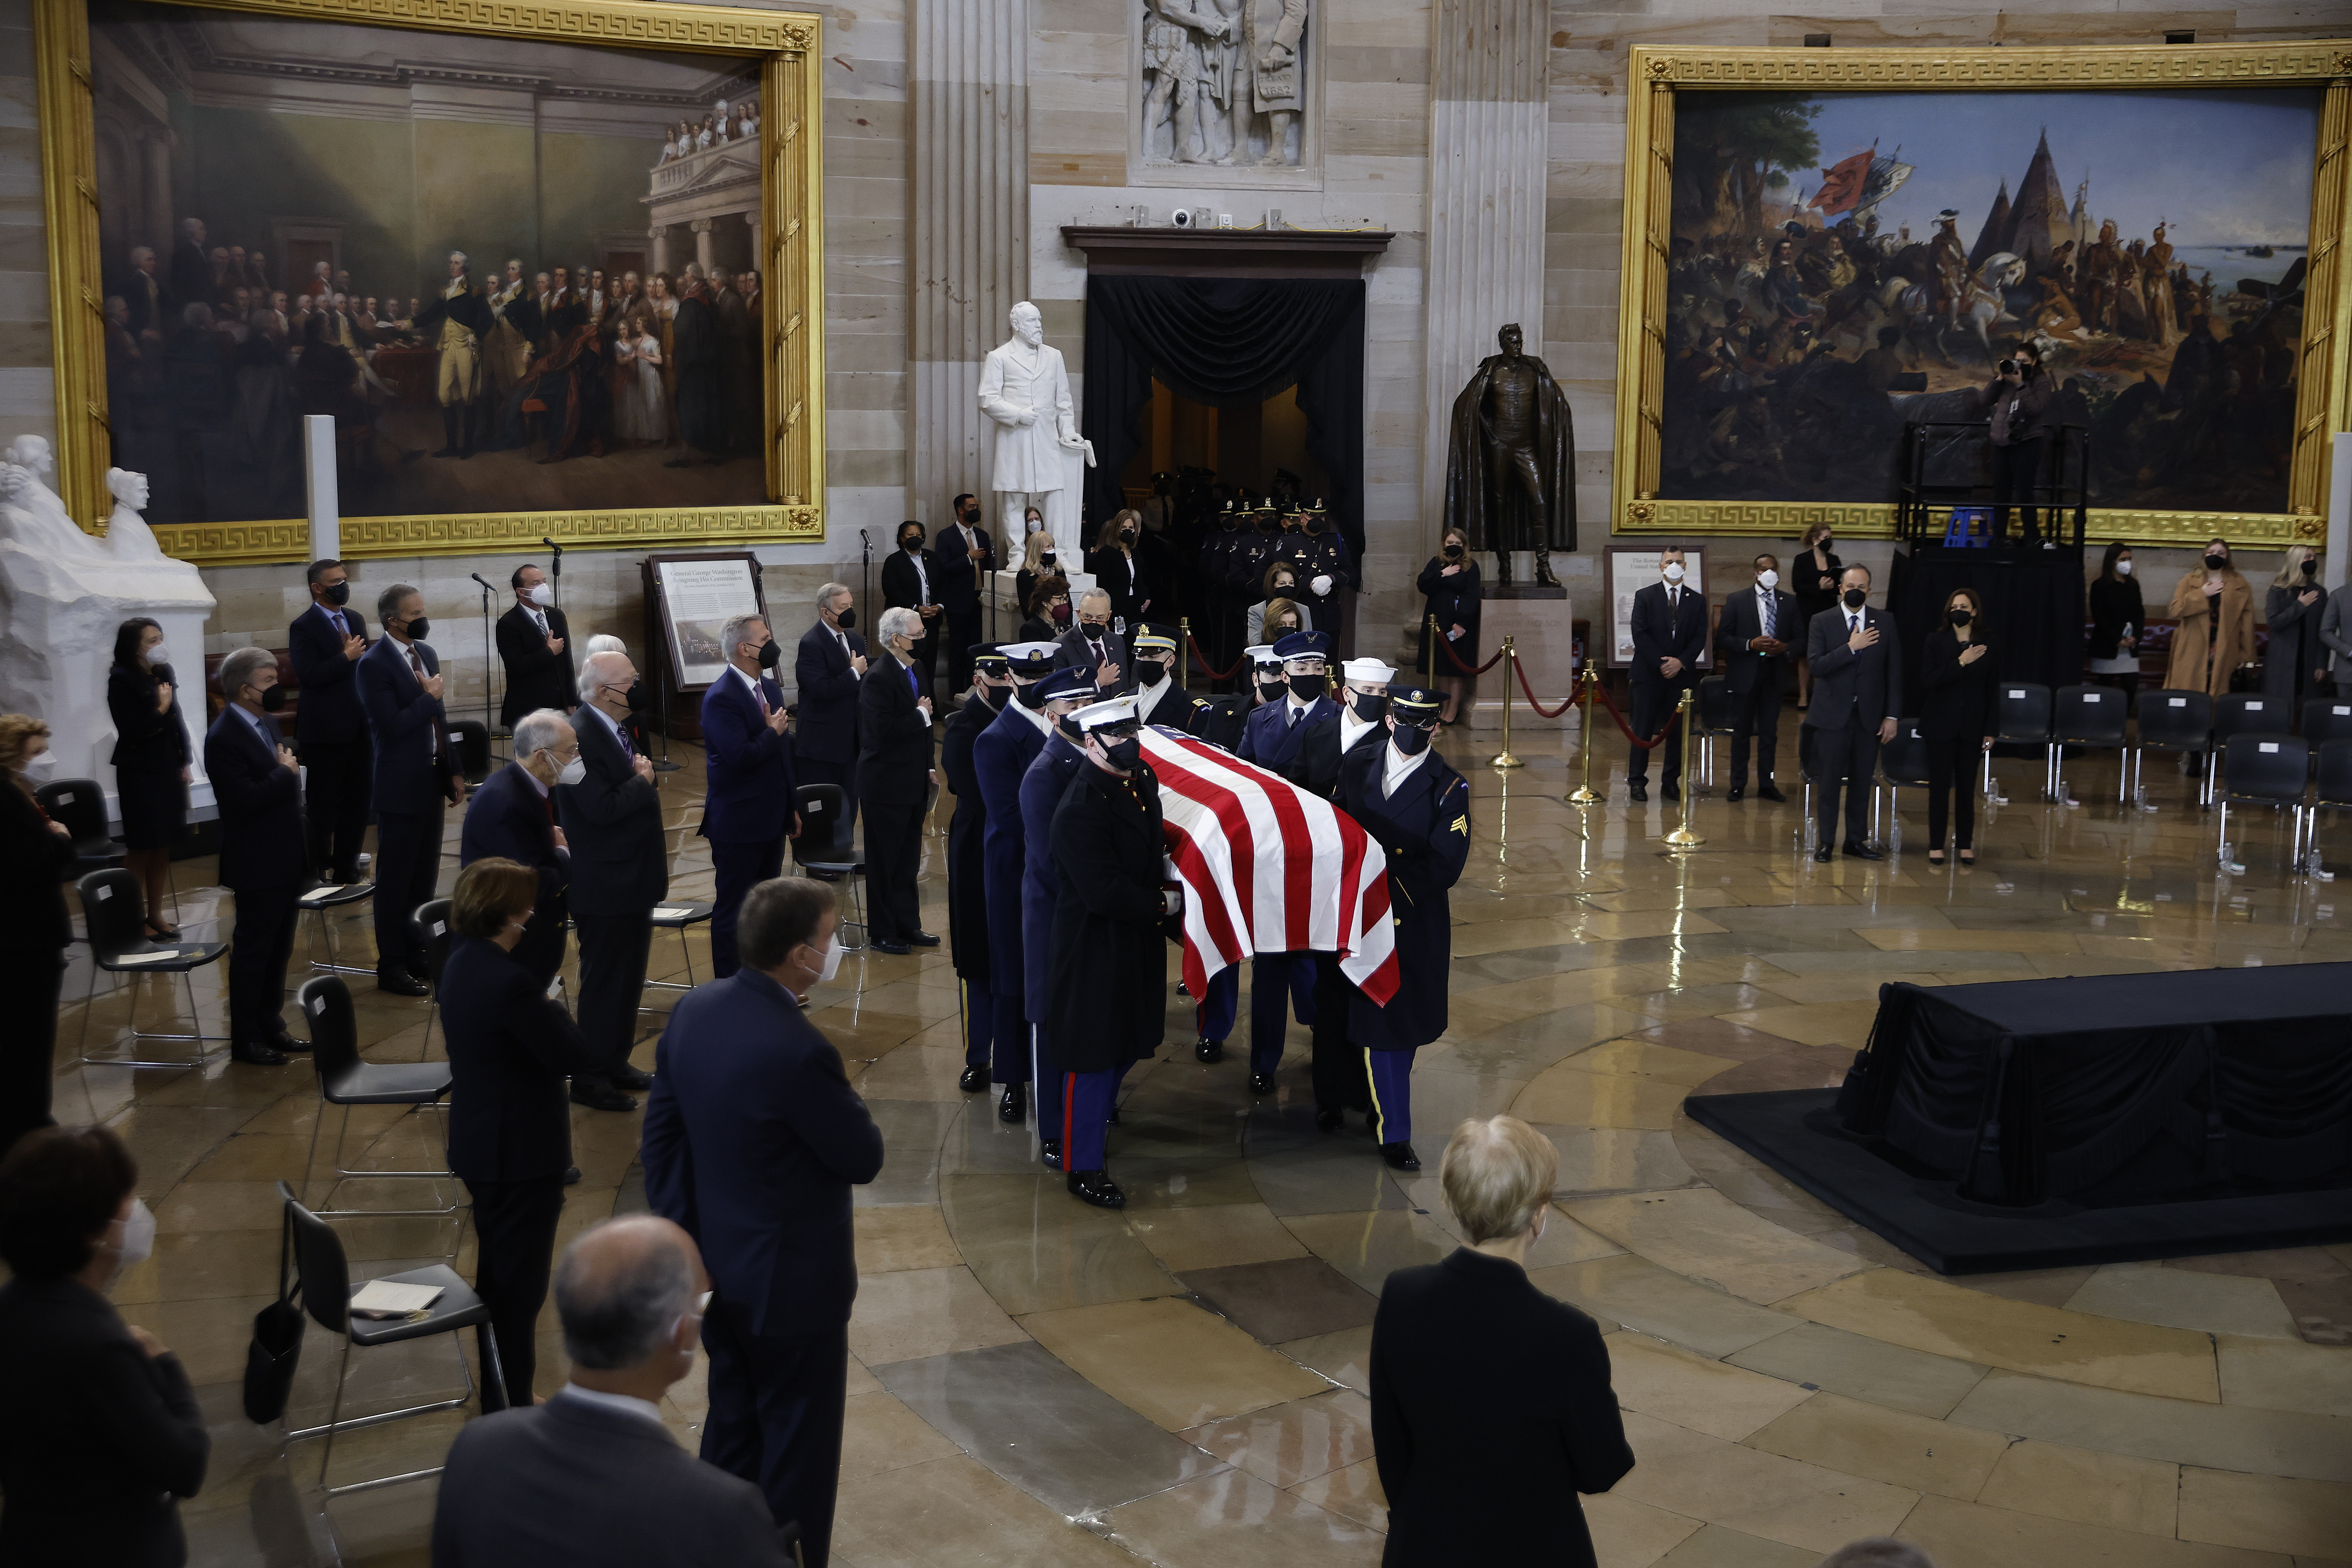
(748, 806)
(894, 777)
(906, 586)
(326, 642)
(1857, 665)
(620, 870)
(752, 1141)
(535, 649)
(261, 854)
(416, 780)
(192, 269)
(827, 669)
(1092, 645)
(960, 556)
(513, 817)
(1669, 639)
(1754, 637)
(591, 1478)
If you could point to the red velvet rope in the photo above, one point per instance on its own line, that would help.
(1655, 741)
(1206, 667)
(1547, 713)
(1456, 658)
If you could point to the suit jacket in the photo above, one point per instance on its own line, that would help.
(587, 1486)
(1849, 687)
(825, 725)
(331, 711)
(1956, 699)
(536, 679)
(145, 741)
(1116, 575)
(750, 795)
(894, 759)
(955, 581)
(1658, 635)
(509, 817)
(752, 1140)
(33, 862)
(1482, 1385)
(404, 723)
(902, 588)
(509, 1049)
(968, 933)
(120, 1439)
(1742, 666)
(1071, 650)
(1271, 739)
(613, 820)
(260, 803)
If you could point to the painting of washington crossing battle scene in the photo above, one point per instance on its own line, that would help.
(520, 276)
(1839, 265)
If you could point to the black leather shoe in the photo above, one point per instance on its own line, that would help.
(600, 1096)
(1095, 1187)
(1399, 1157)
(257, 1055)
(1330, 1120)
(923, 939)
(1861, 851)
(288, 1044)
(973, 1080)
(898, 948)
(1822, 854)
(1014, 1103)
(1637, 792)
(400, 982)
(1261, 1083)
(1050, 1151)
(1670, 792)
(1733, 794)
(1767, 792)
(1205, 1050)
(628, 1078)
(572, 1176)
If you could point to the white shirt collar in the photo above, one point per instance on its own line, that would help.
(1149, 698)
(1351, 728)
(533, 777)
(260, 729)
(1034, 716)
(1395, 767)
(750, 681)
(1292, 697)
(622, 1402)
(611, 727)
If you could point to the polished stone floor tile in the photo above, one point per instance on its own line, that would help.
(1336, 1175)
(1813, 1356)
(2309, 1519)
(1695, 1391)
(900, 1237)
(881, 1433)
(1822, 1022)
(925, 1312)
(1650, 1060)
(1641, 1294)
(957, 1510)
(1968, 1532)
(1595, 1160)
(1567, 1097)
(2178, 1431)
(1353, 1492)
(1299, 1441)
(1034, 1247)
(1344, 1357)
(1217, 1235)
(2216, 1303)
(1368, 1247)
(2285, 1374)
(912, 1133)
(1700, 1234)
(1628, 1535)
(2113, 1491)
(1890, 1446)
(1284, 1298)
(1796, 1504)
(1170, 1362)
(1234, 1520)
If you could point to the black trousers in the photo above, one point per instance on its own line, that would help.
(407, 870)
(1952, 762)
(612, 953)
(514, 1251)
(894, 853)
(963, 631)
(541, 950)
(1848, 756)
(1336, 1066)
(30, 978)
(740, 867)
(259, 944)
(338, 777)
(2016, 468)
(1756, 715)
(810, 770)
(775, 1417)
(1653, 704)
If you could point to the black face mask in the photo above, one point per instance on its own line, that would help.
(1314, 525)
(340, 594)
(1124, 753)
(1412, 742)
(1272, 690)
(1453, 550)
(419, 628)
(2311, 568)
(1855, 598)
(1371, 707)
(1284, 590)
(1307, 688)
(274, 699)
(1127, 534)
(1070, 731)
(1028, 697)
(1961, 617)
(1048, 559)
(911, 543)
(769, 654)
(846, 620)
(2215, 563)
(994, 697)
(1150, 671)
(1095, 629)
(1271, 524)
(640, 699)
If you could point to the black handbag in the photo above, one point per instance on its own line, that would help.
(277, 1345)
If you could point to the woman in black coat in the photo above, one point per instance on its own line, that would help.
(151, 762)
(103, 1435)
(1116, 572)
(510, 1047)
(35, 930)
(2118, 621)
(1813, 582)
(1449, 587)
(1049, 606)
(1955, 720)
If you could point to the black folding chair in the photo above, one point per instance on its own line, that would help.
(2087, 716)
(2326, 719)
(346, 1079)
(2241, 713)
(1902, 764)
(823, 849)
(2264, 770)
(78, 806)
(677, 918)
(2333, 792)
(112, 911)
(470, 740)
(2172, 720)
(334, 896)
(2022, 718)
(430, 921)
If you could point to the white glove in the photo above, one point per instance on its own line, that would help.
(1322, 586)
(1173, 898)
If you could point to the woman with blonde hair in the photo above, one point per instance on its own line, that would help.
(2214, 630)
(1039, 561)
(2296, 660)
(34, 854)
(1485, 1387)
(1280, 580)
(1116, 570)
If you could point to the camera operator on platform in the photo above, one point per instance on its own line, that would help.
(2018, 399)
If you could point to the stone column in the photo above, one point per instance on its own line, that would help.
(659, 235)
(968, 227)
(1487, 168)
(702, 250)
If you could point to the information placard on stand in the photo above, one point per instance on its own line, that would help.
(688, 598)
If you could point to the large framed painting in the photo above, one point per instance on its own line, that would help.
(553, 269)
(1826, 246)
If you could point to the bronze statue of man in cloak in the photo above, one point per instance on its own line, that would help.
(1509, 462)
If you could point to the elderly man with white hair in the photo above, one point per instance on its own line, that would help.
(620, 869)
(513, 817)
(261, 851)
(894, 777)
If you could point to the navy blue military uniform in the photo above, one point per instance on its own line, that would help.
(968, 926)
(1042, 786)
(1337, 1073)
(1271, 738)
(1001, 755)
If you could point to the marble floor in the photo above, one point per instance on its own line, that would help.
(1041, 1383)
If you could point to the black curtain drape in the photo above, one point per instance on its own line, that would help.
(2034, 611)
(1230, 342)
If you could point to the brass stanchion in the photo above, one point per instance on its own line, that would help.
(1682, 837)
(1183, 652)
(1583, 793)
(1503, 759)
(1429, 658)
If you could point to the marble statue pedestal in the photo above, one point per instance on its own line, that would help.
(1544, 630)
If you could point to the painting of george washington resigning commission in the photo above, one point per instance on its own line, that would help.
(520, 276)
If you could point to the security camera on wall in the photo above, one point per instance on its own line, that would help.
(1181, 218)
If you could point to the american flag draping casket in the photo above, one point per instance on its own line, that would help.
(1267, 867)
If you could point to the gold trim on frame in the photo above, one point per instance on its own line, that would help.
(792, 251)
(1654, 75)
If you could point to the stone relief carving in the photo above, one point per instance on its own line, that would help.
(1225, 81)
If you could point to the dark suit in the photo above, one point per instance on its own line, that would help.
(338, 760)
(510, 1134)
(1073, 649)
(824, 724)
(1001, 756)
(1483, 1385)
(591, 1487)
(512, 817)
(536, 679)
(417, 779)
(1663, 632)
(1753, 678)
(96, 1481)
(893, 766)
(955, 579)
(752, 1140)
(1956, 711)
(34, 933)
(748, 803)
(903, 589)
(151, 747)
(620, 870)
(1853, 693)
(262, 861)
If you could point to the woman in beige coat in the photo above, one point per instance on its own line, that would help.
(2213, 610)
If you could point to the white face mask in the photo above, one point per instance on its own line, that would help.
(573, 771)
(1673, 571)
(159, 654)
(2123, 568)
(138, 1242)
(832, 952)
(542, 593)
(1033, 525)
(1768, 578)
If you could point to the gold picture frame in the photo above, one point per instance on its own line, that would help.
(791, 246)
(1657, 75)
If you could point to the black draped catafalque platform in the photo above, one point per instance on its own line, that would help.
(2038, 1123)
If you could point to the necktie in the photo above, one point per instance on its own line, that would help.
(416, 668)
(1095, 644)
(1292, 710)
(548, 800)
(1766, 601)
(1853, 624)
(914, 684)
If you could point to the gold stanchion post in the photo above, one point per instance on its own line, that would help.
(1682, 837)
(1183, 652)
(1583, 793)
(1429, 660)
(1503, 759)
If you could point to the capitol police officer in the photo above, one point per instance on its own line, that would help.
(1406, 797)
(1048, 775)
(1221, 617)
(1000, 754)
(1327, 568)
(1271, 739)
(968, 929)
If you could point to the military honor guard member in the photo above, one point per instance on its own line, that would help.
(1263, 684)
(1158, 700)
(1109, 952)
(1271, 739)
(968, 935)
(1406, 797)
(1001, 755)
(1065, 690)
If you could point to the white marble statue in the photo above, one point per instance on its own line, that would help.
(1227, 78)
(128, 537)
(1025, 388)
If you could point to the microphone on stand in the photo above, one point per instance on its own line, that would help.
(555, 566)
(489, 665)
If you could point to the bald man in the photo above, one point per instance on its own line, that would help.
(592, 1477)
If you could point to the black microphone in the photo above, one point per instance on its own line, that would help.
(555, 567)
(476, 576)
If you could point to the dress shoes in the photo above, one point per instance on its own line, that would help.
(1330, 1120)
(598, 1095)
(1767, 792)
(1637, 792)
(256, 1055)
(1050, 1151)
(1205, 1050)
(287, 1043)
(628, 1078)
(922, 938)
(1862, 851)
(1399, 1157)
(972, 1080)
(1014, 1103)
(1095, 1187)
(1670, 791)
(1822, 854)
(1261, 1083)
(572, 1175)
(883, 944)
(1734, 794)
(400, 982)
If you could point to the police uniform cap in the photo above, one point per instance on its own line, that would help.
(990, 658)
(1302, 645)
(1073, 681)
